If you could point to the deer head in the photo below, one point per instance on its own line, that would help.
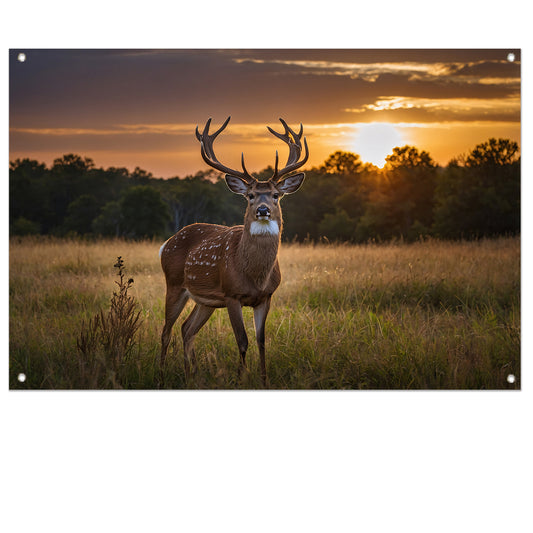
(263, 212)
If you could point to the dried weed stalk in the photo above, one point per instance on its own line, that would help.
(107, 340)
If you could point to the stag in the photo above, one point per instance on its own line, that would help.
(219, 266)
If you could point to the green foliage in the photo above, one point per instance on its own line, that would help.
(80, 214)
(201, 198)
(304, 211)
(27, 192)
(107, 223)
(337, 226)
(474, 195)
(482, 196)
(144, 212)
(401, 204)
(22, 226)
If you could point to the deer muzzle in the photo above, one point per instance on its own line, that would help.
(262, 213)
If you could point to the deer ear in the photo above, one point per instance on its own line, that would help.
(236, 185)
(291, 184)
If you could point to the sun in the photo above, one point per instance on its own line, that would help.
(375, 141)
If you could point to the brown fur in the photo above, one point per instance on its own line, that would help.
(219, 266)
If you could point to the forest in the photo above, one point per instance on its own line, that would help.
(343, 200)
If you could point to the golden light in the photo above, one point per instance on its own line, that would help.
(375, 141)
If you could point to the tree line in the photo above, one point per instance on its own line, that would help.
(474, 195)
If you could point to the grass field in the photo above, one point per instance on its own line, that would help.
(428, 315)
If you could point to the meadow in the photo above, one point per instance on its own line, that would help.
(424, 315)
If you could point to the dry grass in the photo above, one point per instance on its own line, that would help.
(429, 315)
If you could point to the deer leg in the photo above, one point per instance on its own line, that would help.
(198, 317)
(175, 302)
(260, 315)
(237, 323)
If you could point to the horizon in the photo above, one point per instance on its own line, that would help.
(139, 108)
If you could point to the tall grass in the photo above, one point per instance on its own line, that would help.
(428, 315)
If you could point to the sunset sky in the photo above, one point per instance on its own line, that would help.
(129, 108)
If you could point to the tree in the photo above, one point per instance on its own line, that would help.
(401, 203)
(64, 184)
(414, 173)
(143, 212)
(493, 153)
(307, 209)
(72, 165)
(481, 197)
(23, 226)
(407, 157)
(342, 163)
(108, 222)
(330, 192)
(192, 199)
(140, 176)
(337, 226)
(477, 194)
(80, 214)
(27, 198)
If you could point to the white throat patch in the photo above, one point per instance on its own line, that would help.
(264, 227)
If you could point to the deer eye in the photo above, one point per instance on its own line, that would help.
(275, 196)
(251, 196)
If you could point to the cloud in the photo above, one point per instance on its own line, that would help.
(386, 103)
(467, 109)
(124, 129)
(253, 132)
(450, 72)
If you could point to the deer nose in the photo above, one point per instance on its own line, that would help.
(263, 211)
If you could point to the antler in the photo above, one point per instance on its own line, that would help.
(206, 143)
(294, 140)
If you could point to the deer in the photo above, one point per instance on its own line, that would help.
(219, 266)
